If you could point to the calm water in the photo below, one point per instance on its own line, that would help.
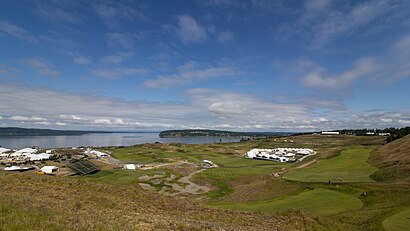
(99, 139)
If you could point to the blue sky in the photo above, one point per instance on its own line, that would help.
(255, 65)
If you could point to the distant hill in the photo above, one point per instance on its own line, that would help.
(14, 131)
(393, 159)
(218, 133)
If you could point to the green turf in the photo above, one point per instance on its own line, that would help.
(233, 173)
(191, 154)
(317, 202)
(121, 176)
(350, 166)
(397, 222)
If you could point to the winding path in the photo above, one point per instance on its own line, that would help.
(190, 187)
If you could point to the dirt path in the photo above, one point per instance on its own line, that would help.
(306, 164)
(190, 187)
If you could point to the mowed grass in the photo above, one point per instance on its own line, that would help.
(233, 173)
(350, 166)
(397, 222)
(317, 201)
(189, 153)
(121, 176)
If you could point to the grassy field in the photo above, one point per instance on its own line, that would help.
(317, 202)
(250, 196)
(233, 173)
(350, 166)
(397, 222)
(120, 176)
(34, 202)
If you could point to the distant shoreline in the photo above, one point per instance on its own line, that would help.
(219, 133)
(22, 132)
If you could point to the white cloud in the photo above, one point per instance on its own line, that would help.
(25, 118)
(316, 5)
(362, 68)
(42, 67)
(390, 67)
(225, 36)
(18, 32)
(188, 73)
(202, 108)
(103, 121)
(189, 30)
(6, 69)
(115, 73)
(113, 13)
(57, 11)
(117, 58)
(324, 21)
(81, 60)
(120, 40)
(226, 108)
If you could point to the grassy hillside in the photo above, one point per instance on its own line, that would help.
(393, 160)
(32, 202)
(244, 194)
(350, 166)
(315, 201)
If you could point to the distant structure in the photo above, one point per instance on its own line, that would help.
(98, 154)
(330, 133)
(49, 169)
(207, 163)
(279, 154)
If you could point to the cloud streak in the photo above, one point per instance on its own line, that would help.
(17, 32)
(204, 108)
(188, 73)
(188, 30)
(42, 67)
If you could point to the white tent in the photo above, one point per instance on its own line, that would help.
(49, 169)
(27, 150)
(130, 166)
(3, 150)
(208, 162)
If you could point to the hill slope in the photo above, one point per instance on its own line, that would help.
(393, 159)
(32, 202)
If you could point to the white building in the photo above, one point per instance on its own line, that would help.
(26, 150)
(49, 169)
(208, 162)
(130, 166)
(37, 157)
(3, 150)
(330, 133)
(97, 153)
(278, 154)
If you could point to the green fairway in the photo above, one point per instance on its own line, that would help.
(121, 176)
(397, 222)
(317, 202)
(189, 153)
(350, 166)
(232, 173)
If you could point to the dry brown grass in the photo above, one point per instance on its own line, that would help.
(393, 159)
(263, 187)
(32, 202)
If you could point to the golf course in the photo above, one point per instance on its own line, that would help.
(340, 187)
(350, 166)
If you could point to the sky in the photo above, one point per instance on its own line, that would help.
(257, 65)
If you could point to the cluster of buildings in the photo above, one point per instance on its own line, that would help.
(279, 154)
(33, 159)
(15, 160)
(97, 153)
(25, 154)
